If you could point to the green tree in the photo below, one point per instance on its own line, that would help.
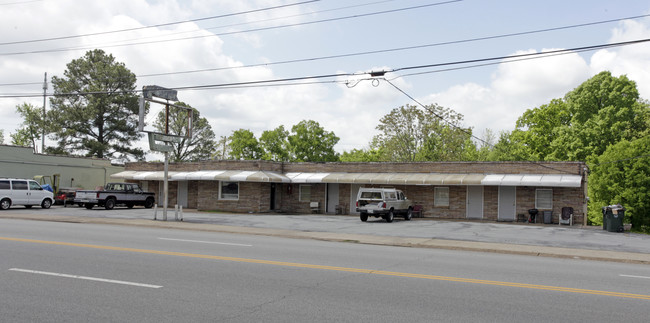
(244, 146)
(2, 136)
(363, 155)
(537, 128)
(95, 108)
(621, 176)
(600, 112)
(410, 134)
(604, 110)
(200, 146)
(309, 142)
(275, 144)
(31, 128)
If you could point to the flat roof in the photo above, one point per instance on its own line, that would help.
(538, 180)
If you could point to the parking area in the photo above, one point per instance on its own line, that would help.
(593, 238)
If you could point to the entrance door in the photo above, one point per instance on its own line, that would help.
(474, 202)
(354, 190)
(332, 197)
(182, 194)
(507, 203)
(272, 198)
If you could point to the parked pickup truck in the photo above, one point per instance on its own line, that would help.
(128, 194)
(384, 202)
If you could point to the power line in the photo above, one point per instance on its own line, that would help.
(157, 25)
(381, 51)
(378, 51)
(502, 59)
(232, 32)
(257, 21)
(469, 133)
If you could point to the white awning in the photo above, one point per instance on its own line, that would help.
(206, 175)
(541, 180)
(388, 178)
(141, 175)
(546, 180)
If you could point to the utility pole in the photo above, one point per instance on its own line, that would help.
(43, 128)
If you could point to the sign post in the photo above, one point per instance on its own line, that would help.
(162, 142)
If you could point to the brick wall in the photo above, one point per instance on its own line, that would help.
(255, 197)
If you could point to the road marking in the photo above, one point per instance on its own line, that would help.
(84, 278)
(211, 242)
(342, 269)
(632, 276)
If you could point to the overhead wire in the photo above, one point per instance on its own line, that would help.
(469, 133)
(156, 25)
(228, 33)
(251, 22)
(375, 51)
(500, 59)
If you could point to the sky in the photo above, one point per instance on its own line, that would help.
(188, 45)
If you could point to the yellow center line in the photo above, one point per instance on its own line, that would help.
(342, 269)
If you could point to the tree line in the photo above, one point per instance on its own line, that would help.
(603, 122)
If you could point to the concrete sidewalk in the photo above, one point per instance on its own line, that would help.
(510, 238)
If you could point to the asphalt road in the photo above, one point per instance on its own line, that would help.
(68, 272)
(492, 232)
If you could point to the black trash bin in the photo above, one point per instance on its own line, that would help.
(533, 215)
(548, 217)
(605, 209)
(613, 218)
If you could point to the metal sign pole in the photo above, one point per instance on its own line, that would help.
(162, 142)
(165, 187)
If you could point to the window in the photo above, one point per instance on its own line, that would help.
(391, 195)
(305, 193)
(229, 191)
(4, 185)
(544, 199)
(441, 196)
(371, 195)
(34, 186)
(19, 185)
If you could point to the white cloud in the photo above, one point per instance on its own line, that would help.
(516, 87)
(629, 60)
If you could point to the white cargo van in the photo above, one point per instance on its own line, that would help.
(25, 192)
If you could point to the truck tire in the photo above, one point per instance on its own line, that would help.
(363, 216)
(46, 203)
(390, 216)
(109, 204)
(5, 204)
(409, 215)
(149, 202)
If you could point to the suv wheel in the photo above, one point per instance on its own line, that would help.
(363, 216)
(409, 215)
(390, 216)
(149, 202)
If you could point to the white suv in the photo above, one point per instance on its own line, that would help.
(23, 192)
(384, 202)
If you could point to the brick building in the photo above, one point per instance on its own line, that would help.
(498, 191)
